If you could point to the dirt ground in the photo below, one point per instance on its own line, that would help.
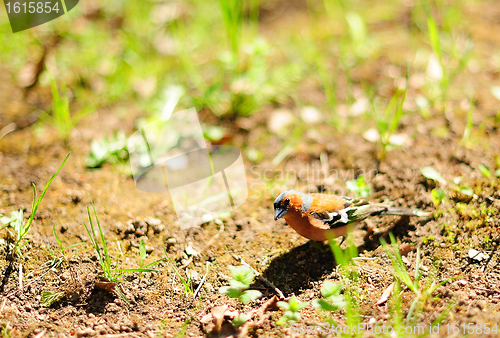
(296, 266)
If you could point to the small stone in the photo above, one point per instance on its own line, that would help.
(280, 121)
(114, 326)
(120, 227)
(88, 332)
(191, 251)
(477, 256)
(310, 114)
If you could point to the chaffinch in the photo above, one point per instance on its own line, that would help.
(321, 216)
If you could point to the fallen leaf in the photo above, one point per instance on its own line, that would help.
(405, 249)
(218, 317)
(387, 293)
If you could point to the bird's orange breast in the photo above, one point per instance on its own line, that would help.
(311, 227)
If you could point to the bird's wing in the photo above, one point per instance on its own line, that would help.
(336, 211)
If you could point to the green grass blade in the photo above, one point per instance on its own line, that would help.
(93, 239)
(187, 287)
(36, 202)
(106, 258)
(122, 295)
(433, 31)
(58, 240)
(142, 251)
(340, 258)
(398, 264)
(154, 263)
(136, 270)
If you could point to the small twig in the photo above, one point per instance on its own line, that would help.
(12, 293)
(201, 283)
(487, 290)
(40, 335)
(262, 278)
(20, 276)
(3, 304)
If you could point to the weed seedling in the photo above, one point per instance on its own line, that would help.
(485, 171)
(448, 66)
(344, 261)
(423, 291)
(432, 174)
(359, 187)
(16, 221)
(61, 117)
(438, 195)
(469, 124)
(243, 276)
(332, 300)
(292, 307)
(188, 284)
(232, 14)
(111, 150)
(388, 121)
(58, 257)
(50, 297)
(110, 274)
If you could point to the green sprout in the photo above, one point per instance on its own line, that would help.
(109, 273)
(423, 291)
(332, 300)
(50, 297)
(232, 14)
(61, 117)
(110, 150)
(485, 171)
(359, 187)
(344, 260)
(16, 220)
(432, 174)
(459, 56)
(188, 284)
(388, 121)
(243, 276)
(58, 259)
(469, 124)
(438, 195)
(292, 307)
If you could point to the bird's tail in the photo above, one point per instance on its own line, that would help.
(400, 212)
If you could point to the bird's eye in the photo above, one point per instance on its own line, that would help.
(287, 201)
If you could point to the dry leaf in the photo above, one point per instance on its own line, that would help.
(218, 317)
(387, 293)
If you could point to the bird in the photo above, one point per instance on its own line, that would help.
(321, 217)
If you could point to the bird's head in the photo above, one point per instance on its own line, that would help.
(291, 200)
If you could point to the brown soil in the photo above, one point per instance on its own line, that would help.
(158, 306)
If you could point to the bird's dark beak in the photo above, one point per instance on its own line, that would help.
(278, 213)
